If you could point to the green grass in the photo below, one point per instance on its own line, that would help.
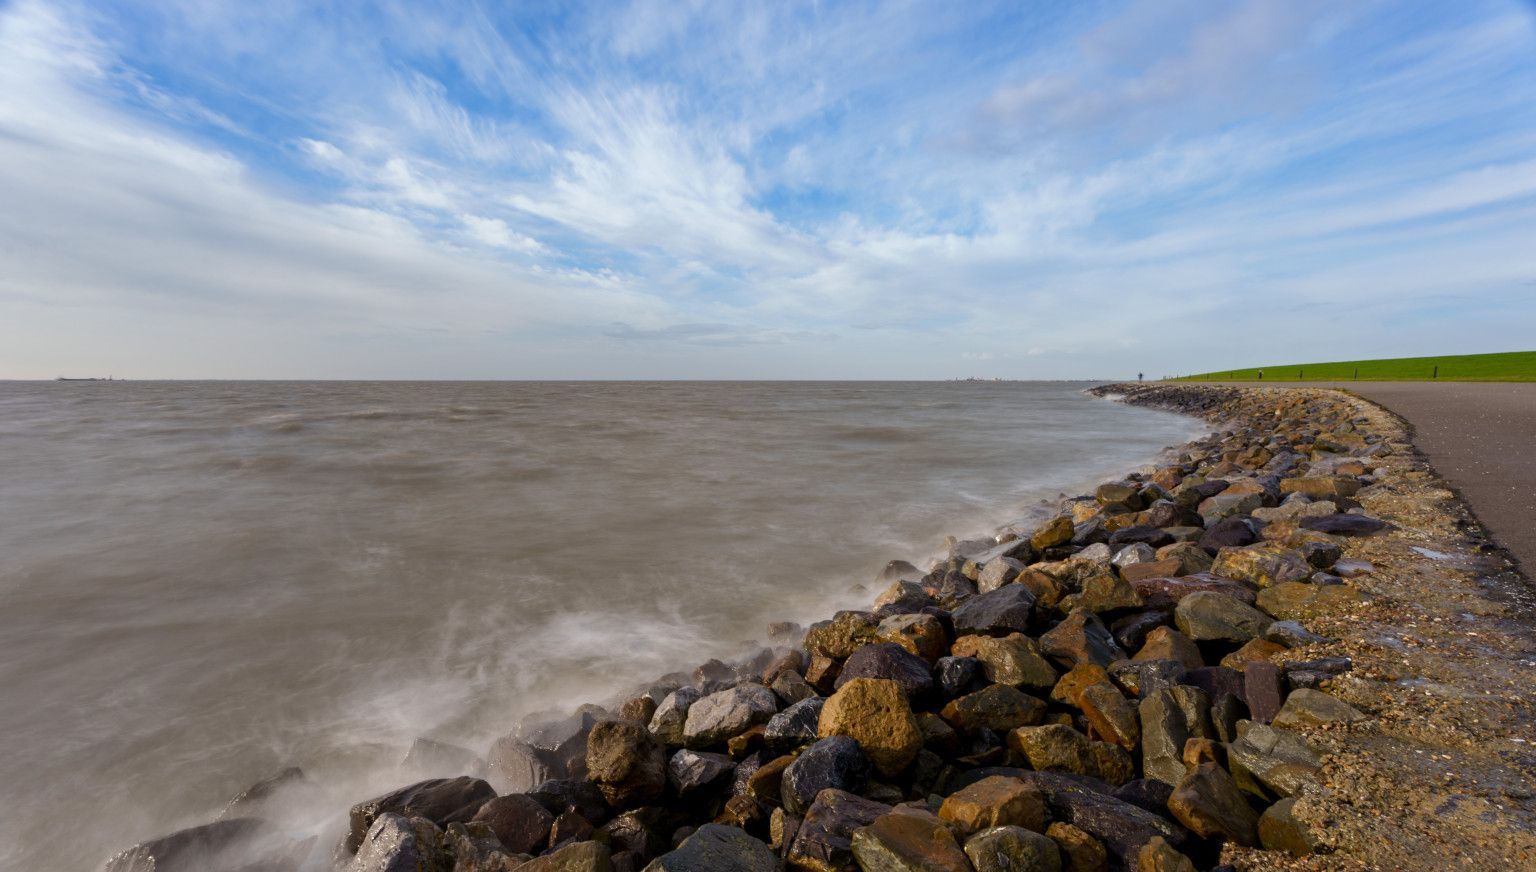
(1512, 366)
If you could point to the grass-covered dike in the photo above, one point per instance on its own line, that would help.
(1511, 366)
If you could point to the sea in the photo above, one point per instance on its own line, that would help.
(203, 583)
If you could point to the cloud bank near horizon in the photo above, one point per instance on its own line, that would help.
(688, 189)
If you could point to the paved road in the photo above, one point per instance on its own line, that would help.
(1482, 439)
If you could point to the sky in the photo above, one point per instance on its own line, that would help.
(711, 189)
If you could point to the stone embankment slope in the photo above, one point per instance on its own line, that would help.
(1283, 647)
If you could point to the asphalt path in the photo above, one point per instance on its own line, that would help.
(1481, 437)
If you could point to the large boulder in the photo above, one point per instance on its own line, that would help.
(1014, 659)
(1261, 565)
(994, 802)
(1321, 487)
(1169, 718)
(520, 823)
(1281, 830)
(908, 843)
(590, 856)
(439, 800)
(714, 847)
(1270, 763)
(208, 846)
(1209, 616)
(824, 839)
(1111, 715)
(1081, 638)
(1343, 524)
(794, 726)
(672, 714)
(1013, 849)
(1209, 803)
(996, 613)
(888, 660)
(874, 712)
(998, 707)
(1298, 601)
(921, 634)
(514, 766)
(832, 763)
(727, 713)
(1123, 828)
(699, 772)
(842, 635)
(395, 843)
(1059, 748)
(626, 762)
(1313, 708)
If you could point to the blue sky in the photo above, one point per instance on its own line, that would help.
(195, 188)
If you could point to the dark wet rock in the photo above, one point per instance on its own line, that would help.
(1232, 532)
(1313, 708)
(473, 846)
(563, 740)
(1015, 659)
(515, 766)
(1130, 632)
(1013, 849)
(957, 675)
(900, 569)
(995, 801)
(519, 822)
(997, 613)
(1226, 711)
(715, 847)
(569, 794)
(794, 726)
(1262, 565)
(1292, 635)
(791, 688)
(1169, 718)
(1208, 616)
(393, 843)
(1122, 827)
(1144, 533)
(627, 763)
(1344, 524)
(1208, 802)
(643, 831)
(1080, 851)
(996, 707)
(714, 675)
(824, 839)
(948, 589)
(1159, 856)
(842, 635)
(1269, 763)
(1111, 715)
(908, 843)
(1141, 677)
(672, 714)
(1107, 592)
(639, 709)
(1321, 555)
(695, 772)
(719, 716)
(195, 849)
(1167, 643)
(568, 826)
(1280, 830)
(1059, 748)
(997, 573)
(1262, 691)
(890, 661)
(836, 762)
(1081, 638)
(1165, 593)
(875, 713)
(902, 597)
(439, 800)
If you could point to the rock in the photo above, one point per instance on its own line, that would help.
(899, 569)
(1080, 852)
(726, 713)
(558, 795)
(1169, 718)
(1159, 856)
(1209, 616)
(639, 709)
(1321, 555)
(1344, 524)
(392, 843)
(1151, 569)
(1110, 714)
(672, 714)
(1048, 589)
(520, 823)
(1012, 849)
(994, 802)
(1130, 631)
(957, 675)
(1293, 635)
(1228, 503)
(644, 832)
(428, 757)
(837, 762)
(842, 635)
(997, 573)
(1279, 830)
(1147, 793)
(920, 634)
(824, 840)
(874, 712)
(1057, 531)
(473, 847)
(569, 826)
(514, 766)
(1208, 802)
(1192, 558)
(1122, 827)
(714, 847)
(821, 674)
(1261, 565)
(563, 740)
(1013, 659)
(217, 845)
(908, 843)
(998, 707)
(1138, 552)
(791, 688)
(1119, 492)
(255, 800)
(794, 726)
(1059, 748)
(1141, 677)
(1252, 651)
(695, 772)
(890, 661)
(1107, 592)
(997, 613)
(1267, 762)
(1157, 537)
(1297, 601)
(626, 762)
(1321, 487)
(904, 596)
(1197, 751)
(1313, 708)
(1165, 593)
(439, 800)
(1226, 533)
(948, 589)
(575, 857)
(1081, 638)
(1166, 643)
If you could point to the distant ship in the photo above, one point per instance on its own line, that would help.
(62, 378)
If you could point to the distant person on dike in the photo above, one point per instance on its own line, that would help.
(1140, 376)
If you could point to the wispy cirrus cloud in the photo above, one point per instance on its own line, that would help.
(858, 190)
